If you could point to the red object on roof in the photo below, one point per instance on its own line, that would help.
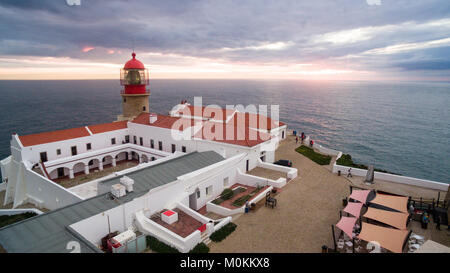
(54, 136)
(202, 228)
(108, 127)
(134, 63)
(168, 213)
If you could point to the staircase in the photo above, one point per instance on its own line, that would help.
(205, 238)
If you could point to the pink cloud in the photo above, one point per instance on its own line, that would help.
(87, 48)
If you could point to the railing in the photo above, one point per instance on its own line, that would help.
(147, 92)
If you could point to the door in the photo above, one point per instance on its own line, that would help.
(193, 201)
(60, 172)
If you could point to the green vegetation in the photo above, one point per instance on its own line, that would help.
(316, 157)
(241, 200)
(6, 220)
(160, 247)
(223, 232)
(200, 248)
(256, 190)
(217, 201)
(226, 194)
(346, 160)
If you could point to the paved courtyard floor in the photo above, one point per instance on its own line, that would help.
(307, 207)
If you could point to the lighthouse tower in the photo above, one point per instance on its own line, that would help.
(134, 79)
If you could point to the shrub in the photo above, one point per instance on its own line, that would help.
(346, 160)
(316, 157)
(217, 201)
(200, 248)
(226, 194)
(222, 233)
(241, 200)
(160, 247)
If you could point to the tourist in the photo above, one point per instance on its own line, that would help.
(303, 137)
(411, 209)
(311, 142)
(438, 222)
(349, 173)
(296, 139)
(425, 220)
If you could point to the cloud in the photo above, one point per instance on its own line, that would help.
(335, 35)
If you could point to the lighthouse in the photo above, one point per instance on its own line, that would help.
(134, 79)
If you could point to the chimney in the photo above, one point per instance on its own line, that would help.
(153, 118)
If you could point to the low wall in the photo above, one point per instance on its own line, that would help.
(260, 196)
(18, 211)
(392, 177)
(151, 228)
(210, 207)
(222, 223)
(255, 181)
(291, 173)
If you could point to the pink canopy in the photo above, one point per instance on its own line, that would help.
(354, 208)
(359, 195)
(398, 203)
(388, 238)
(346, 224)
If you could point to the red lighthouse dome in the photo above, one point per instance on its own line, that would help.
(134, 77)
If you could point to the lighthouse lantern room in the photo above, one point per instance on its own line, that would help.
(134, 78)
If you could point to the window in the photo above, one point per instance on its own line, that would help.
(88, 146)
(183, 149)
(74, 150)
(143, 108)
(44, 156)
(113, 141)
(141, 141)
(152, 144)
(160, 145)
(198, 194)
(209, 191)
(282, 135)
(134, 139)
(225, 182)
(91, 162)
(174, 148)
(58, 151)
(124, 100)
(153, 158)
(127, 139)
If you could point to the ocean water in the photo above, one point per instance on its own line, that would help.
(400, 127)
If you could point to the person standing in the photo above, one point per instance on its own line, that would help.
(349, 173)
(438, 222)
(296, 139)
(425, 220)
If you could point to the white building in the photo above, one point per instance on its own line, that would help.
(234, 141)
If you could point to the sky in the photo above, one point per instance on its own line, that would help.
(394, 40)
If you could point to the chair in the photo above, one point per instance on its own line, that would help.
(270, 201)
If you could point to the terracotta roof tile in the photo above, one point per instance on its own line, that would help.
(163, 121)
(54, 136)
(236, 135)
(107, 127)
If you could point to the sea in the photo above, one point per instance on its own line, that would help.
(401, 127)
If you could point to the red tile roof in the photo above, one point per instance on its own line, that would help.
(48, 137)
(236, 135)
(206, 112)
(107, 127)
(167, 122)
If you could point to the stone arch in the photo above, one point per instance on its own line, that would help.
(59, 172)
(144, 158)
(78, 167)
(107, 160)
(93, 163)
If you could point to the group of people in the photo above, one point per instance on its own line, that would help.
(426, 219)
(302, 137)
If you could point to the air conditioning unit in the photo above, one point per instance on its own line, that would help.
(127, 182)
(118, 190)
